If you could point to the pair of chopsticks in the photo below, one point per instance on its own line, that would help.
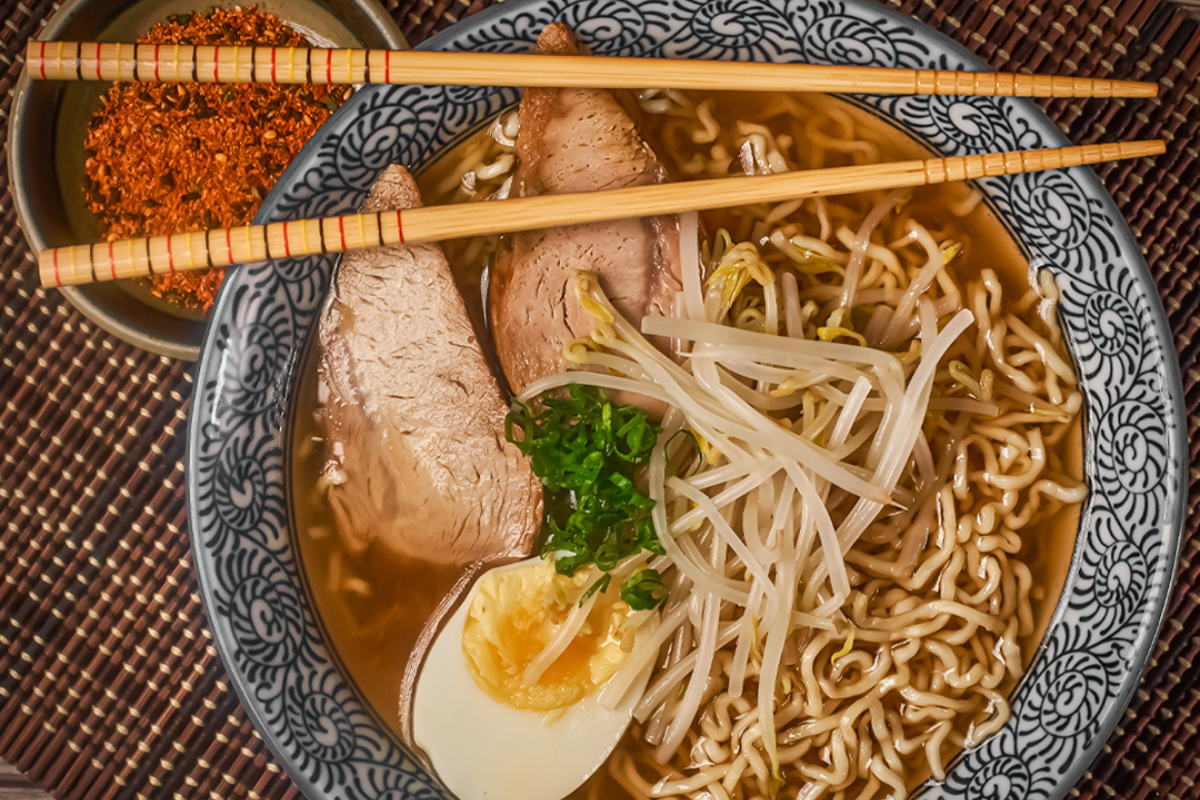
(142, 257)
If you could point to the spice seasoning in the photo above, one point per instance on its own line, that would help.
(177, 157)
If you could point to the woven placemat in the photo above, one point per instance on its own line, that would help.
(110, 686)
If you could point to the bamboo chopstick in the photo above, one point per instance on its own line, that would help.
(135, 258)
(88, 61)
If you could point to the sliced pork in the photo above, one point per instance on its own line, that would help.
(576, 140)
(414, 416)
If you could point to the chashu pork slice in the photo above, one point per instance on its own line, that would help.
(576, 140)
(414, 416)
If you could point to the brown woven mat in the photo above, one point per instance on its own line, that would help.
(110, 686)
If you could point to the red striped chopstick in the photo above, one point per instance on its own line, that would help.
(134, 258)
(254, 64)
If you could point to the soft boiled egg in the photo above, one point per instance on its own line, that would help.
(507, 703)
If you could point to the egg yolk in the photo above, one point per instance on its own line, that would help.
(513, 617)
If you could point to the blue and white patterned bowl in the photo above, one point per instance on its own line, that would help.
(1124, 560)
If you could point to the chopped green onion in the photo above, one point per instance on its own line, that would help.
(586, 450)
(599, 586)
(644, 589)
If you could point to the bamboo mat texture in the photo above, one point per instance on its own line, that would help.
(110, 684)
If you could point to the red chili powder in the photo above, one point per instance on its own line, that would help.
(178, 157)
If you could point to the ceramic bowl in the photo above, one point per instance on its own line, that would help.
(1100, 637)
(48, 123)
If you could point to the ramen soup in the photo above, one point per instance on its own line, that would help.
(951, 385)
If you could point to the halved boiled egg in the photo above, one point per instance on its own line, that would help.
(506, 706)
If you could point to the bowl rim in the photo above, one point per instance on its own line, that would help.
(1170, 521)
(117, 325)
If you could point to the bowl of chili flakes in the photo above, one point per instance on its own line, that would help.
(96, 161)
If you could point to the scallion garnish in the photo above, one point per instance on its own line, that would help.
(586, 450)
(644, 589)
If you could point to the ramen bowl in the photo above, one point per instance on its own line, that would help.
(242, 509)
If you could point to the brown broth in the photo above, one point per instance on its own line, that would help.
(372, 634)
(373, 629)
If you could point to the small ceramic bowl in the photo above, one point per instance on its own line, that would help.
(49, 121)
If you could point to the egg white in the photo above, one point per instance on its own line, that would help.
(482, 749)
